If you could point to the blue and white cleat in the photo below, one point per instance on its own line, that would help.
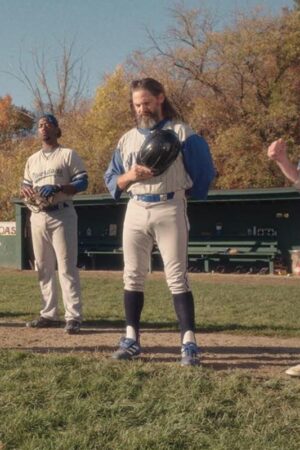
(189, 354)
(128, 349)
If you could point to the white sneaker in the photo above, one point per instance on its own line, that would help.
(294, 371)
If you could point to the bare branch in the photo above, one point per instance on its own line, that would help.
(69, 73)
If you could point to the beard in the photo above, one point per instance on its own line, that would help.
(148, 120)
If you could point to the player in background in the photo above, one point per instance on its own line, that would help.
(277, 152)
(157, 212)
(59, 172)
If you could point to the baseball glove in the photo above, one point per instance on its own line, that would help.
(159, 151)
(37, 202)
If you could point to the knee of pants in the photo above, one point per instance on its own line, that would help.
(133, 283)
(66, 267)
(178, 284)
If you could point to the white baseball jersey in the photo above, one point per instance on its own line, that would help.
(60, 166)
(54, 232)
(175, 178)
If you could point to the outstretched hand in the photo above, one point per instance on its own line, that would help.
(277, 151)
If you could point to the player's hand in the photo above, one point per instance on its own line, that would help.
(49, 189)
(277, 151)
(138, 173)
(26, 191)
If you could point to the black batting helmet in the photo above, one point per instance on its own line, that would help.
(159, 151)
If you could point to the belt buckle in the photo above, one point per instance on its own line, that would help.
(163, 197)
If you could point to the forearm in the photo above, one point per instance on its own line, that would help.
(289, 170)
(75, 186)
(123, 181)
(69, 189)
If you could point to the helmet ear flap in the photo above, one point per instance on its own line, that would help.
(159, 150)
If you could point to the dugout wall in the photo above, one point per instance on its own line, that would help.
(232, 214)
(8, 239)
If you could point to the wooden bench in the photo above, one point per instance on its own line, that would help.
(236, 250)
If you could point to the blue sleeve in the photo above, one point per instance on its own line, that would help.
(81, 184)
(115, 169)
(199, 165)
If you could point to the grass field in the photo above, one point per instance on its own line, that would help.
(260, 308)
(82, 401)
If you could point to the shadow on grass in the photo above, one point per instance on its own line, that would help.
(212, 328)
(173, 326)
(8, 314)
(217, 358)
(91, 326)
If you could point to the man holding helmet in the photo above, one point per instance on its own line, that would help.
(158, 163)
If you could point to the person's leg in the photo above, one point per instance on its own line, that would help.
(45, 263)
(137, 246)
(64, 237)
(171, 233)
(185, 311)
(133, 305)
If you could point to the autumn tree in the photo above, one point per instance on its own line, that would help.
(103, 126)
(13, 121)
(12, 165)
(241, 81)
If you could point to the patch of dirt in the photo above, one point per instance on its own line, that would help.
(262, 356)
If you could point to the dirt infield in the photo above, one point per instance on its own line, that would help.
(258, 355)
(262, 356)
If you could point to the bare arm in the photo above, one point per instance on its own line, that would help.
(277, 152)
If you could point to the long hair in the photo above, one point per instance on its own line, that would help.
(155, 88)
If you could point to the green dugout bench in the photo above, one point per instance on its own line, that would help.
(218, 251)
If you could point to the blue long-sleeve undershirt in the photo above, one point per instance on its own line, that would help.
(197, 162)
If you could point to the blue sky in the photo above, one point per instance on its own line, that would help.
(105, 32)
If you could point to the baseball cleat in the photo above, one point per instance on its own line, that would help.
(72, 327)
(128, 349)
(189, 354)
(293, 371)
(42, 322)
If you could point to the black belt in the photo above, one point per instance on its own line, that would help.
(152, 197)
(55, 207)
